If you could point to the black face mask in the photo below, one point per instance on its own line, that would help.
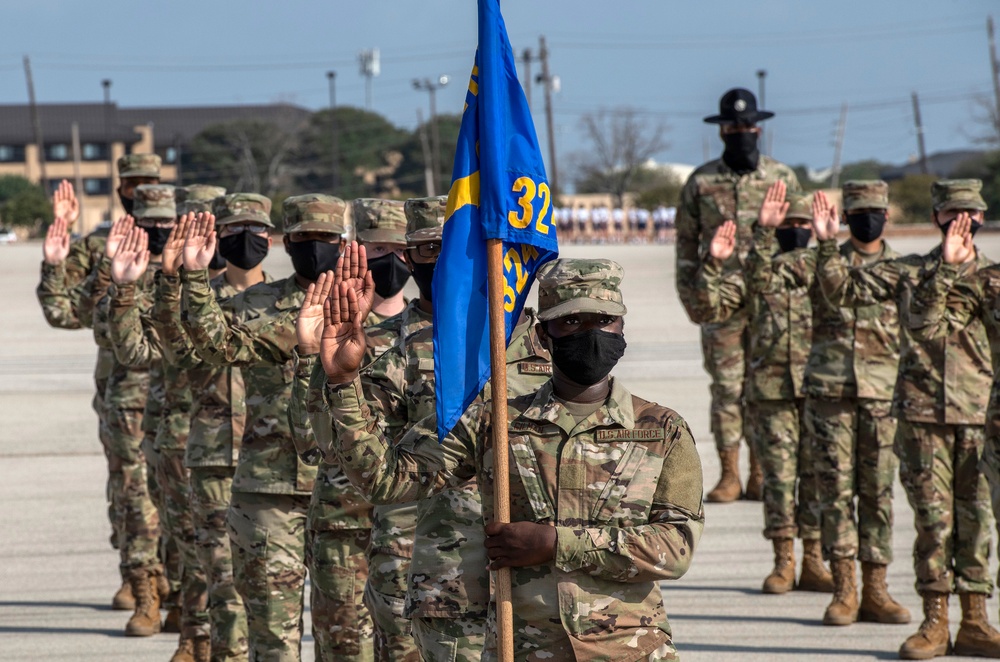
(127, 203)
(791, 238)
(741, 153)
(311, 258)
(588, 356)
(157, 239)
(245, 250)
(866, 226)
(423, 276)
(218, 262)
(973, 229)
(389, 273)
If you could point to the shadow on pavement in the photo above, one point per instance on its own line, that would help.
(800, 652)
(808, 622)
(35, 629)
(57, 605)
(724, 589)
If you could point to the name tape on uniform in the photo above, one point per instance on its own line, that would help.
(534, 368)
(650, 434)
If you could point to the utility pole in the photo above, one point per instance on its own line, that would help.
(371, 66)
(526, 59)
(77, 177)
(761, 104)
(546, 80)
(839, 147)
(995, 67)
(431, 87)
(428, 158)
(331, 76)
(36, 123)
(918, 123)
(106, 84)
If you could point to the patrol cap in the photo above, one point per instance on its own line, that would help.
(567, 286)
(865, 194)
(378, 220)
(958, 194)
(425, 218)
(314, 212)
(196, 198)
(139, 165)
(242, 208)
(799, 206)
(154, 201)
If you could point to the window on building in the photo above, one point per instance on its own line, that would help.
(94, 151)
(96, 185)
(57, 152)
(11, 153)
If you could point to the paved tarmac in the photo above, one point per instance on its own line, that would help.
(58, 572)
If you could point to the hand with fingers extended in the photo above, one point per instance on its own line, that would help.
(352, 268)
(173, 250)
(825, 221)
(957, 246)
(773, 209)
(310, 322)
(199, 246)
(342, 347)
(56, 245)
(519, 544)
(121, 229)
(64, 203)
(724, 242)
(132, 258)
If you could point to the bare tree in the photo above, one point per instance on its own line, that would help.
(621, 142)
(986, 116)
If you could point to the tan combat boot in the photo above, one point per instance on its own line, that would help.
(184, 652)
(782, 578)
(145, 622)
(877, 606)
(843, 609)
(202, 649)
(172, 623)
(976, 637)
(728, 488)
(932, 639)
(814, 576)
(123, 600)
(755, 481)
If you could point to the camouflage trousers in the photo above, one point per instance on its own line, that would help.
(791, 491)
(939, 467)
(450, 639)
(989, 464)
(211, 489)
(166, 546)
(385, 593)
(853, 445)
(342, 624)
(723, 348)
(178, 525)
(268, 537)
(139, 525)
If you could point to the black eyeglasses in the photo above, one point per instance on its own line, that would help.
(428, 250)
(155, 222)
(252, 228)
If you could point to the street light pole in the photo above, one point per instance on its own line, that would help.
(331, 76)
(106, 84)
(761, 76)
(431, 87)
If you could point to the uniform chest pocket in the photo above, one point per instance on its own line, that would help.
(625, 494)
(526, 469)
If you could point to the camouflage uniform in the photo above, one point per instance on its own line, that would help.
(713, 194)
(778, 296)
(255, 331)
(598, 599)
(940, 400)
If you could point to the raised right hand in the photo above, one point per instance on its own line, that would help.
(724, 242)
(64, 203)
(173, 250)
(352, 268)
(199, 248)
(56, 245)
(342, 347)
(825, 221)
(773, 209)
(957, 246)
(119, 231)
(310, 322)
(132, 258)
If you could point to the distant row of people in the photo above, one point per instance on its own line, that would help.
(606, 225)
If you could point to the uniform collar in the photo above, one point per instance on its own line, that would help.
(616, 411)
(526, 345)
(760, 173)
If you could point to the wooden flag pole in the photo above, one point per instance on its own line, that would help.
(501, 474)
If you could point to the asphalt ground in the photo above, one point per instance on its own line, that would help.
(58, 571)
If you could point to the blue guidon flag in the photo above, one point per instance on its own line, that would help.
(499, 191)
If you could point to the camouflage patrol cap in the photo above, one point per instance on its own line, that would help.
(799, 206)
(958, 194)
(865, 194)
(242, 208)
(315, 212)
(567, 286)
(196, 198)
(425, 218)
(154, 201)
(380, 220)
(139, 165)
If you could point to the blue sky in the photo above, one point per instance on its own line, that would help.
(671, 60)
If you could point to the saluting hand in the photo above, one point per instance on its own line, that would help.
(774, 207)
(119, 231)
(173, 250)
(519, 544)
(957, 246)
(724, 242)
(310, 322)
(342, 347)
(65, 204)
(199, 247)
(825, 221)
(132, 258)
(56, 245)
